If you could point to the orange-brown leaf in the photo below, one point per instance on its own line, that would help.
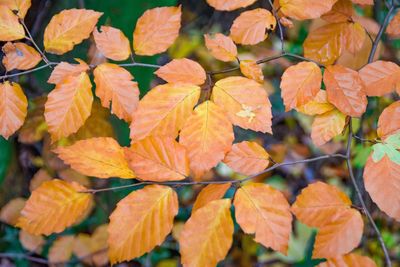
(389, 120)
(20, 56)
(100, 157)
(141, 221)
(265, 212)
(345, 90)
(19, 6)
(326, 126)
(158, 158)
(318, 105)
(251, 26)
(112, 43)
(341, 11)
(353, 37)
(10, 28)
(33, 243)
(221, 47)
(182, 71)
(247, 158)
(305, 9)
(65, 69)
(61, 250)
(210, 193)
(207, 235)
(349, 260)
(229, 5)
(252, 70)
(10, 212)
(114, 85)
(245, 101)
(156, 30)
(393, 29)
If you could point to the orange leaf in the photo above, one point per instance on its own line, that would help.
(207, 235)
(156, 30)
(10, 28)
(245, 101)
(252, 70)
(229, 5)
(20, 6)
(13, 108)
(65, 69)
(69, 28)
(20, 56)
(349, 260)
(33, 243)
(363, 2)
(353, 37)
(68, 106)
(207, 136)
(300, 84)
(182, 71)
(221, 47)
(10, 212)
(141, 222)
(112, 43)
(305, 9)
(250, 27)
(61, 250)
(54, 206)
(114, 85)
(341, 11)
(389, 120)
(247, 158)
(345, 90)
(327, 126)
(380, 77)
(393, 29)
(318, 105)
(327, 208)
(158, 158)
(382, 181)
(164, 110)
(100, 157)
(265, 212)
(210, 193)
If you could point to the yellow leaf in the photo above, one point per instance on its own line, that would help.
(389, 120)
(156, 30)
(252, 70)
(207, 136)
(13, 108)
(265, 212)
(158, 158)
(300, 84)
(247, 158)
(349, 260)
(100, 157)
(210, 193)
(61, 250)
(164, 110)
(20, 6)
(33, 243)
(327, 126)
(229, 5)
(318, 105)
(251, 26)
(10, 28)
(207, 235)
(68, 106)
(69, 28)
(305, 9)
(141, 222)
(182, 71)
(20, 56)
(245, 101)
(54, 206)
(10, 212)
(64, 70)
(221, 47)
(393, 29)
(112, 43)
(114, 85)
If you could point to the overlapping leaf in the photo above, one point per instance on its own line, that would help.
(349, 260)
(252, 70)
(10, 28)
(389, 120)
(32, 243)
(112, 43)
(20, 56)
(61, 249)
(10, 212)
(65, 69)
(341, 11)
(318, 105)
(19, 6)
(182, 71)
(305, 9)
(210, 193)
(326, 126)
(380, 77)
(229, 5)
(221, 47)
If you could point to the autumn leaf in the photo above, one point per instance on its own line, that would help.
(156, 30)
(61, 250)
(221, 47)
(207, 235)
(69, 28)
(112, 43)
(245, 102)
(182, 71)
(13, 108)
(54, 206)
(326, 126)
(207, 136)
(305, 9)
(20, 6)
(68, 106)
(353, 37)
(251, 26)
(164, 110)
(229, 5)
(341, 11)
(65, 69)
(100, 157)
(114, 85)
(317, 106)
(141, 222)
(345, 90)
(382, 182)
(363, 2)
(300, 84)
(20, 56)
(158, 158)
(389, 120)
(264, 211)
(10, 212)
(10, 28)
(210, 193)
(32, 243)
(349, 260)
(393, 29)
(252, 70)
(247, 158)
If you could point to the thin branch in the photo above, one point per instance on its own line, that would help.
(137, 64)
(280, 28)
(23, 256)
(30, 38)
(28, 71)
(365, 140)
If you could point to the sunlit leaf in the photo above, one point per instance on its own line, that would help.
(20, 56)
(10, 28)
(182, 71)
(112, 43)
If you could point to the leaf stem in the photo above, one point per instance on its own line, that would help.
(30, 38)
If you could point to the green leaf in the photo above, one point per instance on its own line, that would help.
(380, 150)
(394, 140)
